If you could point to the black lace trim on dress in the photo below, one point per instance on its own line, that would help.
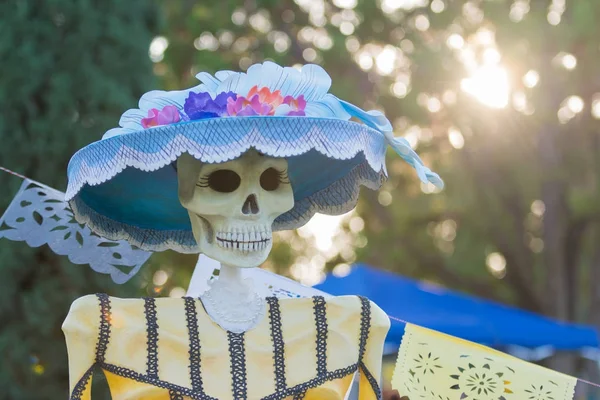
(175, 395)
(321, 323)
(301, 389)
(365, 325)
(152, 332)
(136, 376)
(299, 396)
(82, 384)
(371, 379)
(278, 344)
(194, 352)
(101, 346)
(237, 357)
(104, 330)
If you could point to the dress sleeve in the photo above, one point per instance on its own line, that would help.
(374, 328)
(81, 329)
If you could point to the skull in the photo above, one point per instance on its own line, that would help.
(232, 205)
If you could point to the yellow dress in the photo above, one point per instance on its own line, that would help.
(168, 348)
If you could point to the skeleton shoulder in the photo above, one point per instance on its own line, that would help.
(355, 307)
(83, 316)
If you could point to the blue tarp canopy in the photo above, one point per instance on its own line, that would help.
(456, 314)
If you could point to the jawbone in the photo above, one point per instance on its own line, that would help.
(242, 244)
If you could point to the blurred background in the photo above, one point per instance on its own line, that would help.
(501, 97)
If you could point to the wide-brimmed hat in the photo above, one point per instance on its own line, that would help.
(125, 185)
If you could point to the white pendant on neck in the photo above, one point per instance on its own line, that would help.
(234, 311)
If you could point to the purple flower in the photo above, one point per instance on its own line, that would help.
(201, 105)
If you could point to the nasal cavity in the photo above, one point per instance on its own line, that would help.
(250, 205)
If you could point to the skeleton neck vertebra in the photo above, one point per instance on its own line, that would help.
(232, 302)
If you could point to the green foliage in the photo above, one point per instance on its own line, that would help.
(69, 69)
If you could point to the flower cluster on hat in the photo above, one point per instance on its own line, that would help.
(168, 115)
(201, 105)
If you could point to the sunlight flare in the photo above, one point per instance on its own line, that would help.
(489, 84)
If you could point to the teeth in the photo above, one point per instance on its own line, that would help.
(245, 238)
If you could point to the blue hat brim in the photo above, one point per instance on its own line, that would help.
(125, 187)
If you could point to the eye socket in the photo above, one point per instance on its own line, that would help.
(271, 179)
(223, 181)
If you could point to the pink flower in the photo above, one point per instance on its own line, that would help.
(297, 105)
(257, 102)
(244, 107)
(168, 115)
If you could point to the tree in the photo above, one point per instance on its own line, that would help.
(522, 194)
(69, 69)
(501, 97)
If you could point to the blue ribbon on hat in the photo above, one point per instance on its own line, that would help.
(376, 120)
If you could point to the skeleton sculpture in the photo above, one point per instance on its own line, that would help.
(234, 342)
(232, 207)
